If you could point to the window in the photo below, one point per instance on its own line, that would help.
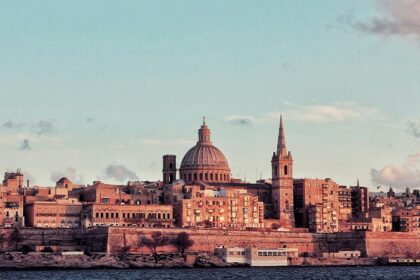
(285, 170)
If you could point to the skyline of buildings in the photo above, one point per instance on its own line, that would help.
(205, 195)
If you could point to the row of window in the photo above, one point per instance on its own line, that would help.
(116, 215)
(205, 177)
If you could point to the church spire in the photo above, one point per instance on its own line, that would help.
(281, 144)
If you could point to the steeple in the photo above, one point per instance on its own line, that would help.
(281, 144)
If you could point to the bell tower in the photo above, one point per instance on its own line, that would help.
(282, 185)
(169, 169)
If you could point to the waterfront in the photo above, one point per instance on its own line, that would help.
(377, 272)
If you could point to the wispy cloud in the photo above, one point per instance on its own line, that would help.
(45, 127)
(12, 124)
(25, 145)
(318, 113)
(402, 175)
(397, 18)
(241, 120)
(414, 127)
(335, 112)
(120, 173)
(70, 173)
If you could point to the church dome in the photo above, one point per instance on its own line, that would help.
(204, 161)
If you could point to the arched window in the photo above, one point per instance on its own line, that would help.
(211, 176)
(170, 166)
(201, 176)
(171, 178)
(189, 177)
(206, 176)
(195, 176)
(285, 170)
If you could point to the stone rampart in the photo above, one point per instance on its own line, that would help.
(206, 240)
(393, 244)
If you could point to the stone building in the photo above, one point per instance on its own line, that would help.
(54, 213)
(206, 166)
(12, 210)
(1, 205)
(317, 204)
(359, 201)
(344, 199)
(406, 220)
(97, 214)
(221, 208)
(134, 193)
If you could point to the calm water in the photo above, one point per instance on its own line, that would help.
(400, 272)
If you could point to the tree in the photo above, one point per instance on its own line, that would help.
(157, 240)
(3, 239)
(182, 241)
(275, 226)
(208, 224)
(16, 237)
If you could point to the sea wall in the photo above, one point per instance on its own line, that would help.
(94, 239)
(206, 240)
(393, 244)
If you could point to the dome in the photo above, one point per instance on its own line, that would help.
(202, 155)
(204, 161)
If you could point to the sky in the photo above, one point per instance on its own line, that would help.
(101, 90)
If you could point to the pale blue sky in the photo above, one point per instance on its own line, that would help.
(89, 84)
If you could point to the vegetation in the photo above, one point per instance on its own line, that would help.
(275, 226)
(47, 250)
(182, 241)
(157, 240)
(16, 237)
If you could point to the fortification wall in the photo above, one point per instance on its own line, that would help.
(393, 244)
(94, 239)
(207, 240)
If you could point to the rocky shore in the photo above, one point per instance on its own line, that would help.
(17, 260)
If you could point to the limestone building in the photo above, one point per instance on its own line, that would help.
(205, 166)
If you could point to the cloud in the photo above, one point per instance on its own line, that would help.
(321, 113)
(399, 175)
(336, 112)
(241, 120)
(398, 18)
(45, 127)
(70, 173)
(12, 125)
(25, 145)
(120, 173)
(414, 127)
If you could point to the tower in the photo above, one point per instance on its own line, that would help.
(282, 185)
(169, 169)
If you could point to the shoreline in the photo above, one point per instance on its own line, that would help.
(12, 261)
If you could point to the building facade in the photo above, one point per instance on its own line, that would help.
(127, 215)
(59, 213)
(317, 204)
(221, 208)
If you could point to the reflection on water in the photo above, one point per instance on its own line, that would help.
(395, 272)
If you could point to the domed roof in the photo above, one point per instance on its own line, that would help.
(63, 180)
(204, 155)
